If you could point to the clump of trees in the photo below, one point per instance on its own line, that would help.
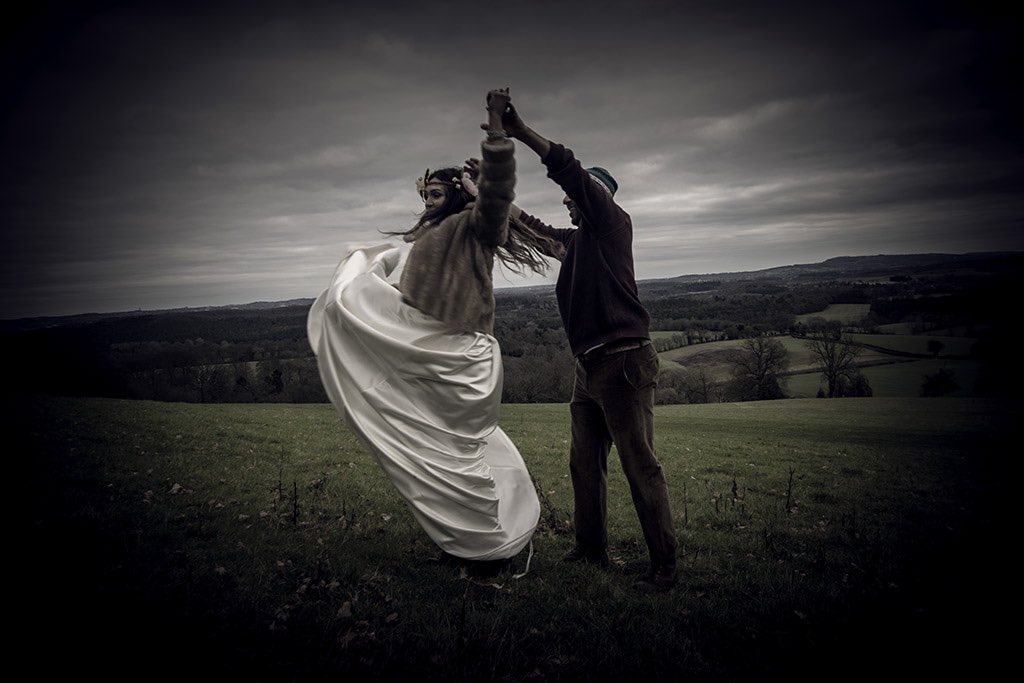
(543, 376)
(939, 384)
(689, 385)
(757, 368)
(289, 380)
(838, 360)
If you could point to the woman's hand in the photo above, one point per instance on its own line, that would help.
(510, 124)
(470, 174)
(497, 102)
(469, 185)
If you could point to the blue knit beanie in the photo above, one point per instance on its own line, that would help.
(605, 177)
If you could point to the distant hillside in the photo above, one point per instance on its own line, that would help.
(882, 265)
(259, 352)
(25, 324)
(837, 268)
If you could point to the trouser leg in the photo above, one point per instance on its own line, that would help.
(631, 420)
(627, 398)
(588, 465)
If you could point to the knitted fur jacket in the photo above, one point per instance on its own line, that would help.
(448, 272)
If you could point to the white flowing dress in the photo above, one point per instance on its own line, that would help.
(425, 402)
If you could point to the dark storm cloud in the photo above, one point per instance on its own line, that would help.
(159, 156)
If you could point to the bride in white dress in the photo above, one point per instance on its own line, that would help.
(416, 371)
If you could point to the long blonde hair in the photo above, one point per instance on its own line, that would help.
(525, 247)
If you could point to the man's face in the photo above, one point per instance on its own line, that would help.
(574, 213)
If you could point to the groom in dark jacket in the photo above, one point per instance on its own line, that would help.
(616, 364)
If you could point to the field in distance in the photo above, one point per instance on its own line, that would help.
(894, 364)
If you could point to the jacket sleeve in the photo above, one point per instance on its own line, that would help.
(540, 227)
(497, 181)
(600, 212)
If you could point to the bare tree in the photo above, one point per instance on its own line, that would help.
(757, 367)
(206, 380)
(837, 356)
(698, 386)
(688, 385)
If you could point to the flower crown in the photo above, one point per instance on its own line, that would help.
(421, 182)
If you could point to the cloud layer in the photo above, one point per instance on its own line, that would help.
(160, 157)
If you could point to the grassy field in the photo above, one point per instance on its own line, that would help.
(819, 539)
(717, 353)
(715, 356)
(916, 329)
(917, 343)
(890, 376)
(844, 313)
(896, 380)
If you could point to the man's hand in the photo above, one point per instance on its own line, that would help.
(511, 122)
(513, 125)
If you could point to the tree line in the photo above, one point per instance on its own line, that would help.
(262, 354)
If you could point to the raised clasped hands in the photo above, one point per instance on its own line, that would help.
(498, 100)
(497, 103)
(511, 122)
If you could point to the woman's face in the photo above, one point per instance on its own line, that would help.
(434, 195)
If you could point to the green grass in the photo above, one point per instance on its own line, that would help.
(666, 364)
(897, 328)
(715, 356)
(896, 380)
(890, 376)
(918, 343)
(844, 313)
(915, 328)
(712, 356)
(261, 541)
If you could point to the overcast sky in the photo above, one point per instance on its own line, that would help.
(157, 157)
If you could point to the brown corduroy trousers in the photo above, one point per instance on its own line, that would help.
(613, 403)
